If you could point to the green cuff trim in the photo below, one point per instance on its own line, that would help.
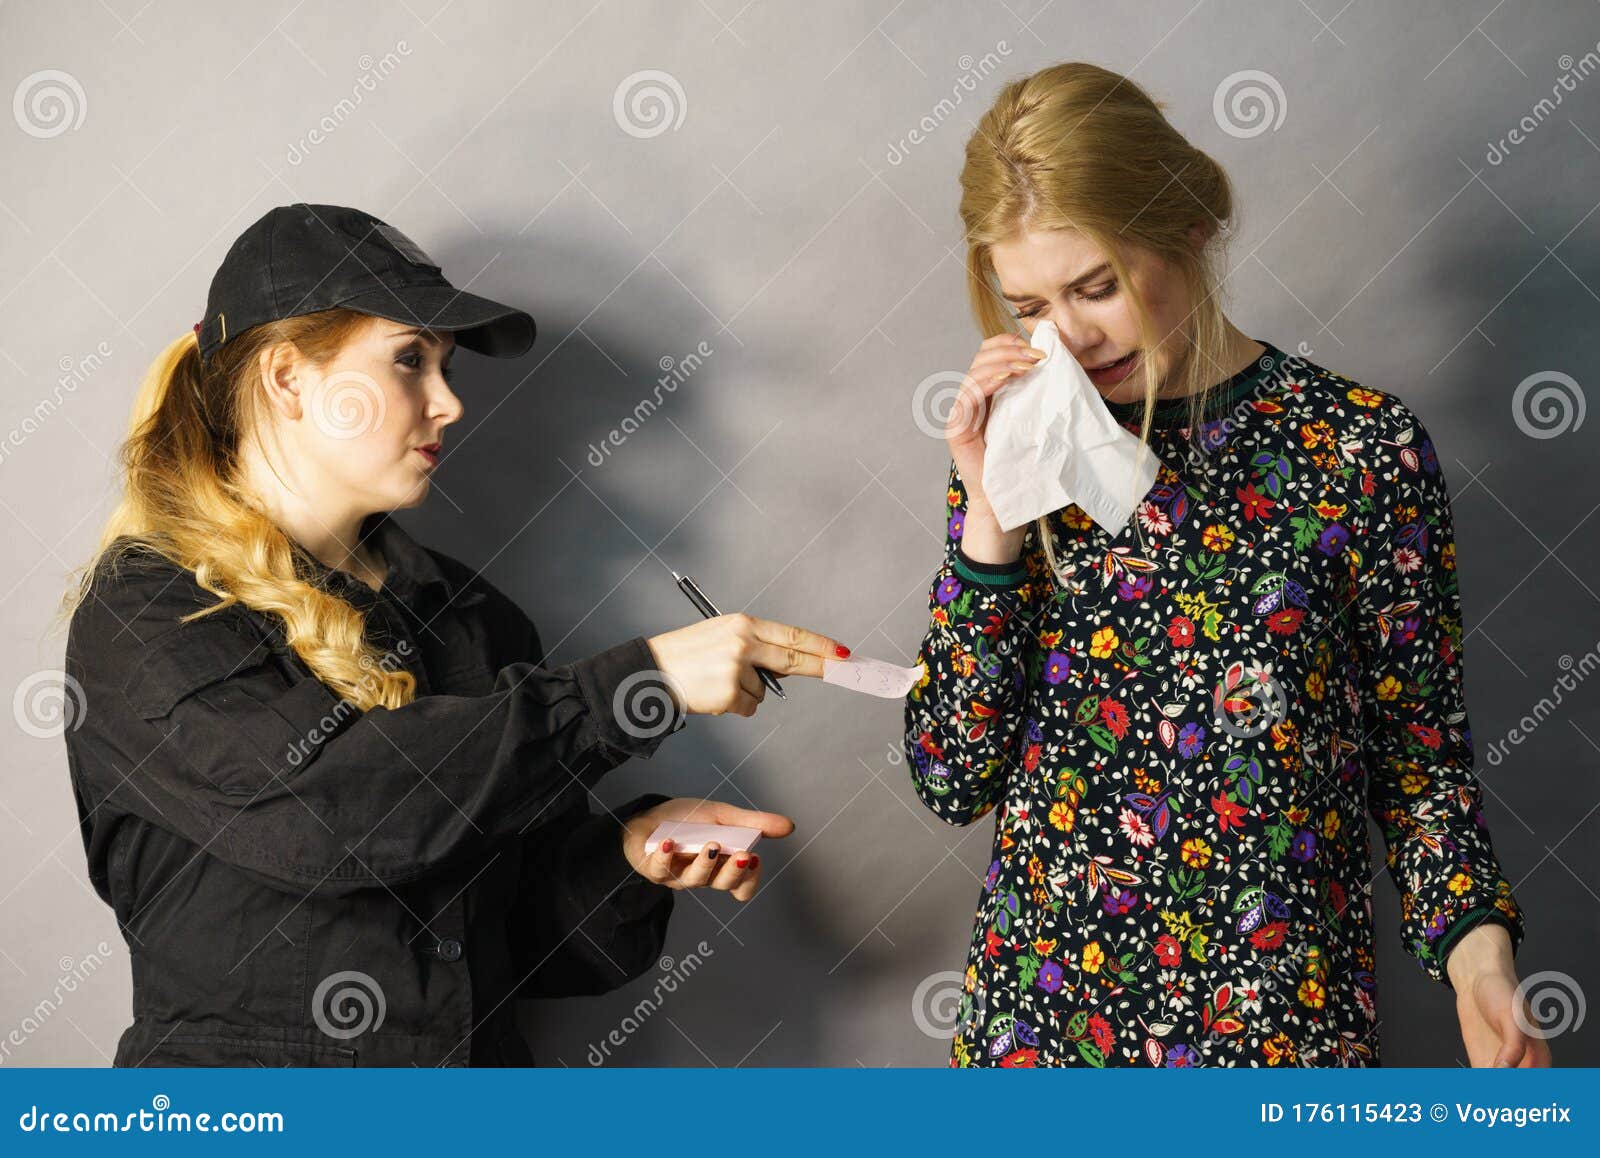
(1011, 575)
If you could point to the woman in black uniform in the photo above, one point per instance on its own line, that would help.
(324, 778)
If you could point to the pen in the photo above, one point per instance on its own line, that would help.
(708, 609)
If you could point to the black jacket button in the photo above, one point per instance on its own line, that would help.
(450, 949)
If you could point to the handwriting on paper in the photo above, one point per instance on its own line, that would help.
(872, 676)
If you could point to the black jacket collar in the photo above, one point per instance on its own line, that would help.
(413, 573)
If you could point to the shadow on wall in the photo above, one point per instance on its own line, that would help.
(526, 423)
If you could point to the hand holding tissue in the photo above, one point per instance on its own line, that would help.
(1050, 442)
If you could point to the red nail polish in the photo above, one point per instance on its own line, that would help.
(755, 861)
(666, 846)
(842, 651)
(742, 861)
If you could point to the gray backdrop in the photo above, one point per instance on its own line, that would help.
(783, 190)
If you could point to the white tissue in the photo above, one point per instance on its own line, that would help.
(1051, 442)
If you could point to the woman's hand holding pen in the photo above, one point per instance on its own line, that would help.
(712, 665)
(999, 359)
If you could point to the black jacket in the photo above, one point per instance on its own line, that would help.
(303, 883)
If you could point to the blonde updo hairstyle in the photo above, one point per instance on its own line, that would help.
(1075, 146)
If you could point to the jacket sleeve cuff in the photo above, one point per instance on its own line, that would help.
(596, 846)
(630, 702)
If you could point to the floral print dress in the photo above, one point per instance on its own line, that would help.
(1182, 731)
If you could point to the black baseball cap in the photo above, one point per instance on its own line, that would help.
(300, 259)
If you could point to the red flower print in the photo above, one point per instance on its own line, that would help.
(1271, 935)
(1101, 1029)
(1168, 951)
(1285, 621)
(1020, 1059)
(1228, 812)
(1428, 737)
(1181, 631)
(1256, 505)
(1115, 716)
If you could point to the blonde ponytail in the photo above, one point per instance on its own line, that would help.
(181, 498)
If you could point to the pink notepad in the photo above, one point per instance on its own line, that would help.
(688, 836)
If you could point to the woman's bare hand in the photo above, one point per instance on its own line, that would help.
(999, 360)
(733, 870)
